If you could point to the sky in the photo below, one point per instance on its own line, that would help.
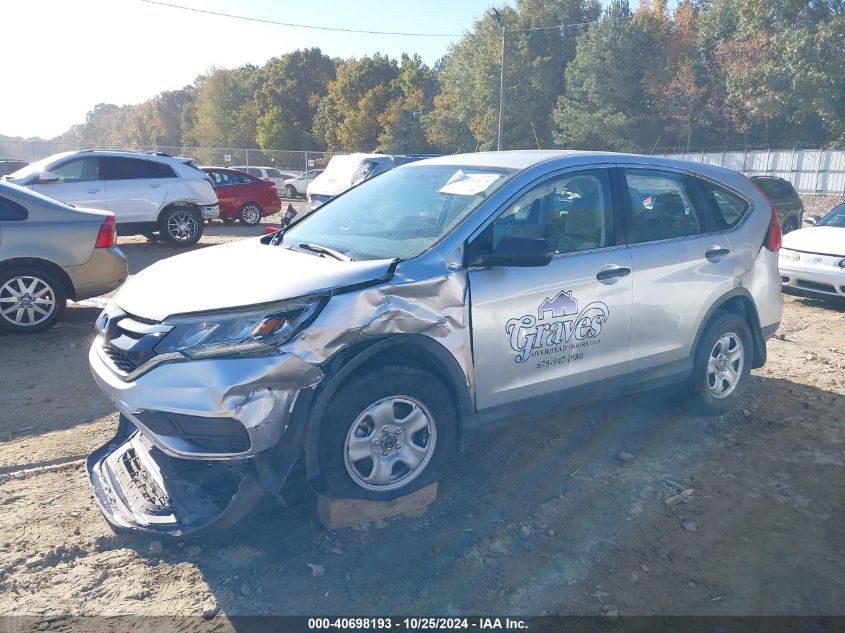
(62, 57)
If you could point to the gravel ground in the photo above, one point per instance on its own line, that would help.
(565, 515)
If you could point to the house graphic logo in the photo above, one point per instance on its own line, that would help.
(557, 328)
(562, 305)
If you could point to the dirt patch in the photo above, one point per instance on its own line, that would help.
(567, 514)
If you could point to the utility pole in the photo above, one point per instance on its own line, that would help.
(493, 13)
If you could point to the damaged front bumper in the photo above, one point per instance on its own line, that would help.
(140, 488)
(199, 442)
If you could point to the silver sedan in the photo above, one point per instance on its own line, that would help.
(51, 252)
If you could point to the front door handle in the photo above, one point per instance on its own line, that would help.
(155, 185)
(715, 253)
(91, 190)
(610, 275)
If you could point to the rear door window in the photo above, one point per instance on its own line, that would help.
(661, 206)
(119, 168)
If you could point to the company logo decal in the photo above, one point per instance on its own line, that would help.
(558, 328)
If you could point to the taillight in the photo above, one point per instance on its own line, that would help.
(775, 237)
(108, 233)
(273, 189)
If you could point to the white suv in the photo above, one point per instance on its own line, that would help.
(147, 193)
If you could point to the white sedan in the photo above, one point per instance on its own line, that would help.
(812, 260)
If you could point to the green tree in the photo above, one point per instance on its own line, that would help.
(401, 121)
(607, 104)
(347, 117)
(225, 111)
(293, 86)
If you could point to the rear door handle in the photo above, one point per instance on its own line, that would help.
(91, 190)
(715, 253)
(609, 275)
(155, 185)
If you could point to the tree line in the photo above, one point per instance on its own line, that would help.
(707, 74)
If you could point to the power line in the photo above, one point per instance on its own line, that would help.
(294, 25)
(365, 32)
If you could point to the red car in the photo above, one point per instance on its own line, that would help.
(243, 197)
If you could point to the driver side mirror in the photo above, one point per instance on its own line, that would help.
(46, 177)
(515, 251)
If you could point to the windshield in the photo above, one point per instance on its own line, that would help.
(400, 213)
(37, 167)
(835, 218)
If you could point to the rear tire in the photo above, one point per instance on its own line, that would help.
(290, 191)
(790, 225)
(722, 364)
(180, 226)
(31, 299)
(386, 434)
(250, 214)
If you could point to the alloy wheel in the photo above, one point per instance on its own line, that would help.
(251, 214)
(182, 226)
(27, 301)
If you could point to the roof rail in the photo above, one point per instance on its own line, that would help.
(128, 151)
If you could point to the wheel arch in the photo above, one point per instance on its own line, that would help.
(46, 265)
(408, 349)
(187, 204)
(740, 302)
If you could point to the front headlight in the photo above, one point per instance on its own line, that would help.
(789, 255)
(251, 331)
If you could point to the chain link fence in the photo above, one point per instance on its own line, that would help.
(289, 162)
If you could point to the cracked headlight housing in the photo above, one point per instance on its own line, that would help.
(256, 330)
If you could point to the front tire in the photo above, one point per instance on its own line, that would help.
(31, 300)
(250, 214)
(290, 191)
(180, 226)
(386, 434)
(722, 364)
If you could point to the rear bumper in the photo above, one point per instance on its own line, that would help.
(210, 212)
(105, 271)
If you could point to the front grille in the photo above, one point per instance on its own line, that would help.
(120, 360)
(812, 285)
(142, 482)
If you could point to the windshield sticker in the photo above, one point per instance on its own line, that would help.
(461, 184)
(559, 332)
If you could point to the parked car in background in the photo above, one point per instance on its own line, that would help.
(812, 260)
(785, 200)
(243, 197)
(8, 165)
(272, 174)
(347, 170)
(435, 300)
(298, 186)
(148, 193)
(49, 253)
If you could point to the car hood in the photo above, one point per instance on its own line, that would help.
(829, 240)
(237, 274)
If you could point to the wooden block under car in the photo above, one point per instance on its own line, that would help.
(340, 513)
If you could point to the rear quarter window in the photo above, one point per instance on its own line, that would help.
(727, 208)
(11, 211)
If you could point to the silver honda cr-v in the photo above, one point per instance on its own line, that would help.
(425, 304)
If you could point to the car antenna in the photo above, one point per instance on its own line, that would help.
(655, 145)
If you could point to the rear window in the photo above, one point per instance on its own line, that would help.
(727, 208)
(775, 187)
(274, 173)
